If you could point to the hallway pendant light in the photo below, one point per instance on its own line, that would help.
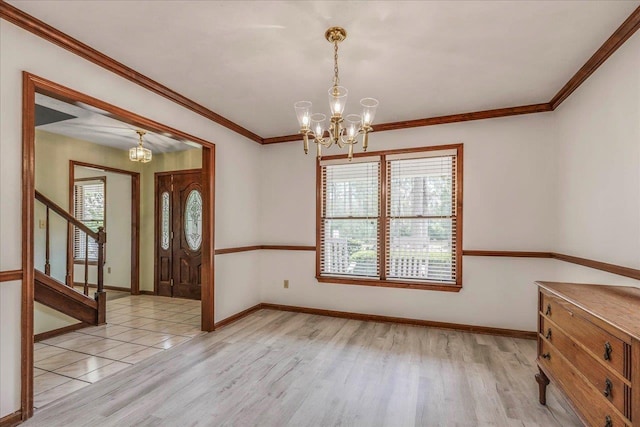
(139, 153)
(339, 133)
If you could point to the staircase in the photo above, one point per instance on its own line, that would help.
(62, 296)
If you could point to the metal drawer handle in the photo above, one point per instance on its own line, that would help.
(608, 422)
(548, 312)
(607, 388)
(548, 336)
(546, 356)
(607, 351)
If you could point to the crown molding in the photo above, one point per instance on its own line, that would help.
(53, 35)
(440, 120)
(65, 41)
(617, 39)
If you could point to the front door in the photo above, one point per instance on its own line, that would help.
(179, 233)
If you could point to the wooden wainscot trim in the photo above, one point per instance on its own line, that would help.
(602, 266)
(288, 248)
(514, 254)
(237, 249)
(10, 275)
(237, 316)
(55, 332)
(11, 420)
(264, 247)
(406, 321)
(142, 292)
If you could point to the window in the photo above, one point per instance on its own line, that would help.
(391, 219)
(89, 204)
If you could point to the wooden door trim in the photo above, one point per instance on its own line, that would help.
(32, 83)
(135, 217)
(178, 172)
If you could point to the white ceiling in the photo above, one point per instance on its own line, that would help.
(251, 60)
(91, 125)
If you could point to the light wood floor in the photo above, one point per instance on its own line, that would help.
(286, 369)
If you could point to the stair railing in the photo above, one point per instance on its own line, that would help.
(100, 237)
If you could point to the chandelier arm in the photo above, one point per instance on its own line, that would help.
(336, 133)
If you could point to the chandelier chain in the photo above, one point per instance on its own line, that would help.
(336, 79)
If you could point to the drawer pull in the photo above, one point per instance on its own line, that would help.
(607, 351)
(607, 388)
(608, 422)
(548, 336)
(546, 356)
(548, 312)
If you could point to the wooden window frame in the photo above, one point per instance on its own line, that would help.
(382, 224)
(104, 222)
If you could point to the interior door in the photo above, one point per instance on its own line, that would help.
(179, 237)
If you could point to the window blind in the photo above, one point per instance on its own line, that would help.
(89, 208)
(421, 219)
(350, 219)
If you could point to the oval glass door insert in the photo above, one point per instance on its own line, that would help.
(193, 220)
(164, 242)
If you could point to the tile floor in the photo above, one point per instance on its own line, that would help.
(137, 327)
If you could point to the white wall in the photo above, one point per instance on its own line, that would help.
(566, 182)
(508, 204)
(599, 164)
(117, 266)
(236, 176)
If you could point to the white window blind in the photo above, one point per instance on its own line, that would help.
(421, 219)
(392, 218)
(89, 208)
(350, 219)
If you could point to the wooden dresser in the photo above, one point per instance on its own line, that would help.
(589, 347)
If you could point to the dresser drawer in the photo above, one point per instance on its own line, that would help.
(594, 407)
(609, 384)
(603, 345)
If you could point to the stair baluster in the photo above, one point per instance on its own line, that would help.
(102, 239)
(48, 289)
(47, 264)
(86, 266)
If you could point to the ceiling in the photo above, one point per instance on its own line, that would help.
(90, 124)
(250, 61)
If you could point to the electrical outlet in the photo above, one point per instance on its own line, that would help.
(286, 284)
(109, 270)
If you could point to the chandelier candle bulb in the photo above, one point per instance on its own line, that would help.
(313, 125)
(369, 106)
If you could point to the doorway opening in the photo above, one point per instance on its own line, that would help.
(91, 177)
(116, 194)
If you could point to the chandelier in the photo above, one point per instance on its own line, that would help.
(342, 131)
(139, 153)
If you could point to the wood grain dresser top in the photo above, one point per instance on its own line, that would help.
(617, 305)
